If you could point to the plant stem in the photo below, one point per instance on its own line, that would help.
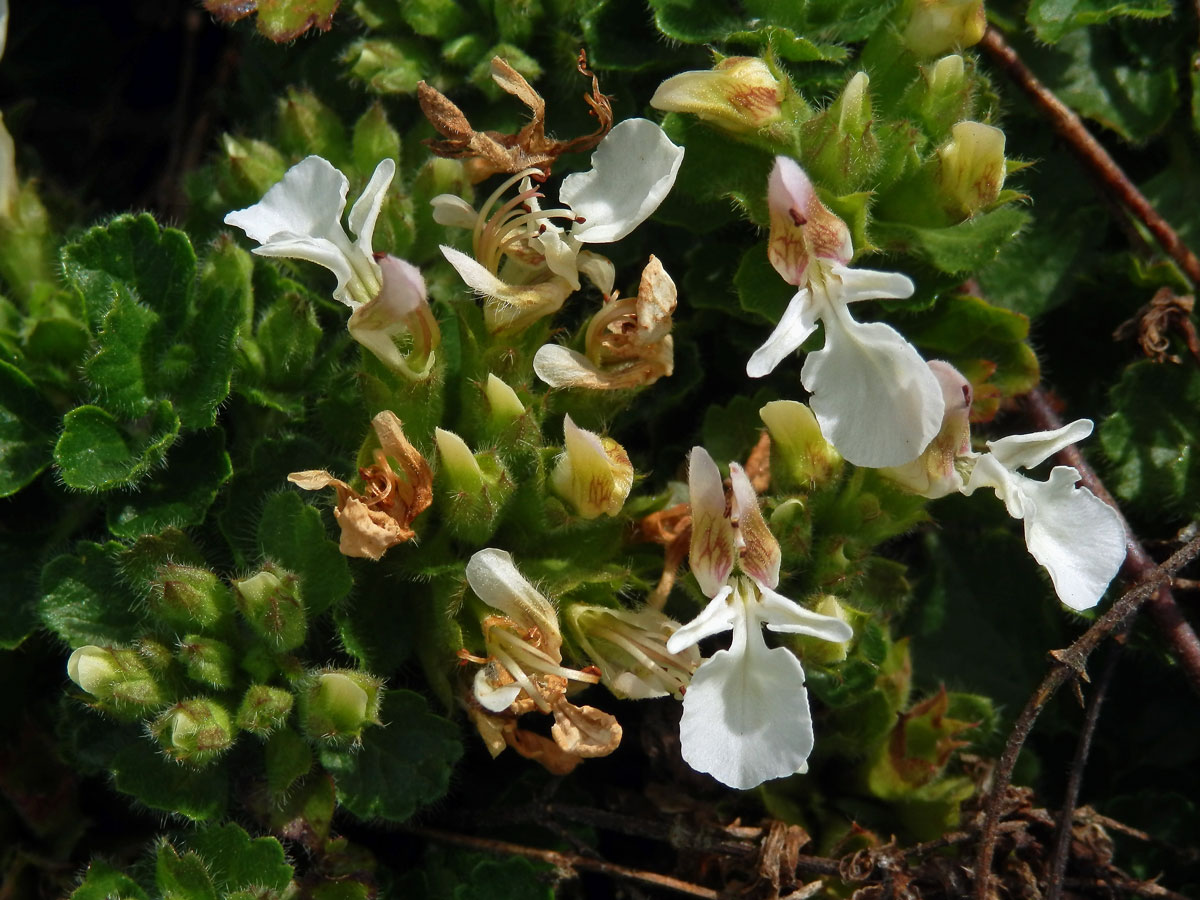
(1071, 128)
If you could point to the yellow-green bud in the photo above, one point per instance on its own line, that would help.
(594, 474)
(739, 94)
(504, 406)
(374, 139)
(800, 455)
(383, 66)
(207, 661)
(838, 147)
(337, 704)
(263, 709)
(255, 165)
(938, 26)
(270, 601)
(195, 731)
(119, 677)
(189, 597)
(474, 487)
(971, 168)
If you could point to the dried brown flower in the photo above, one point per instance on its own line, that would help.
(380, 517)
(490, 152)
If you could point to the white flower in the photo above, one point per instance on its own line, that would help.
(1075, 535)
(745, 713)
(526, 264)
(301, 218)
(873, 395)
(630, 649)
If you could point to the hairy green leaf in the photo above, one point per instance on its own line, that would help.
(26, 430)
(84, 600)
(290, 532)
(1051, 19)
(95, 452)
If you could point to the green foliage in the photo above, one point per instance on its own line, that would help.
(84, 600)
(397, 769)
(290, 533)
(279, 20)
(26, 430)
(1051, 19)
(1150, 438)
(102, 882)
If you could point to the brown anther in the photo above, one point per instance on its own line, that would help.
(798, 217)
(579, 220)
(591, 670)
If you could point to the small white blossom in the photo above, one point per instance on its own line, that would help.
(745, 714)
(873, 395)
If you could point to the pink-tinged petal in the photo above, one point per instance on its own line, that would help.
(746, 718)
(867, 284)
(798, 322)
(872, 393)
(719, 615)
(760, 551)
(713, 541)
(780, 614)
(1024, 451)
(802, 227)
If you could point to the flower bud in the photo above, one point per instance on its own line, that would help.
(253, 165)
(594, 474)
(195, 731)
(739, 94)
(837, 146)
(504, 406)
(189, 597)
(119, 677)
(374, 138)
(399, 316)
(826, 652)
(306, 125)
(270, 601)
(263, 709)
(476, 486)
(800, 456)
(337, 704)
(942, 95)
(383, 66)
(206, 660)
(972, 169)
(938, 26)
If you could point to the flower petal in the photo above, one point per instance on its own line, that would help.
(315, 250)
(780, 614)
(309, 200)
(798, 322)
(718, 616)
(494, 699)
(633, 169)
(745, 714)
(366, 208)
(494, 578)
(562, 367)
(1073, 533)
(760, 551)
(713, 546)
(453, 210)
(867, 284)
(873, 395)
(1024, 451)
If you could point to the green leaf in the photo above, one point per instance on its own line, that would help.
(26, 430)
(203, 357)
(1108, 76)
(788, 45)
(508, 879)
(958, 249)
(694, 21)
(288, 759)
(96, 453)
(290, 532)
(239, 862)
(180, 495)
(401, 766)
(1152, 437)
(103, 882)
(123, 370)
(1051, 19)
(157, 265)
(182, 876)
(369, 628)
(84, 600)
(141, 771)
(279, 20)
(20, 564)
